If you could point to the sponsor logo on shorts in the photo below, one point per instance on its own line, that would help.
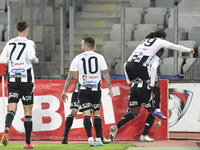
(26, 98)
(148, 105)
(14, 95)
(85, 105)
(133, 103)
(76, 104)
(95, 106)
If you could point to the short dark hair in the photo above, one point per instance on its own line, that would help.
(160, 33)
(90, 42)
(21, 26)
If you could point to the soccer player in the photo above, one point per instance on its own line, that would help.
(140, 92)
(74, 103)
(136, 65)
(87, 71)
(19, 53)
(74, 110)
(155, 83)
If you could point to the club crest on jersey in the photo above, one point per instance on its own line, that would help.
(84, 77)
(179, 101)
(12, 63)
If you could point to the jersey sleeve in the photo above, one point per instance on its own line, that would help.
(103, 63)
(31, 52)
(176, 47)
(4, 58)
(73, 66)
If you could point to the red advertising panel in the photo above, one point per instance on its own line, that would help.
(49, 113)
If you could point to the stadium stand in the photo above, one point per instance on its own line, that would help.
(145, 4)
(111, 54)
(194, 35)
(118, 68)
(141, 33)
(115, 35)
(111, 43)
(127, 26)
(164, 3)
(155, 18)
(189, 62)
(98, 20)
(2, 5)
(186, 43)
(171, 34)
(157, 9)
(133, 18)
(167, 67)
(148, 26)
(199, 50)
(135, 9)
(187, 17)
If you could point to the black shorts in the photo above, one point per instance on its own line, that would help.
(74, 101)
(23, 91)
(89, 99)
(136, 70)
(137, 96)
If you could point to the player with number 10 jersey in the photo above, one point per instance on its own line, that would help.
(90, 67)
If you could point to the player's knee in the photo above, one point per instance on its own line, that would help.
(74, 112)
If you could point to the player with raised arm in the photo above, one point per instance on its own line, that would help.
(140, 92)
(18, 53)
(136, 65)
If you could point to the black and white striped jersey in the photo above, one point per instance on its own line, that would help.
(149, 47)
(19, 52)
(89, 64)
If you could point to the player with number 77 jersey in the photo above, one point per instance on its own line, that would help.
(19, 52)
(136, 65)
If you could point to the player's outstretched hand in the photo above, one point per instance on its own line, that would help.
(192, 51)
(64, 96)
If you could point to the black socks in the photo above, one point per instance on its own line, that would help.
(9, 118)
(68, 124)
(148, 123)
(125, 119)
(28, 128)
(88, 125)
(98, 126)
